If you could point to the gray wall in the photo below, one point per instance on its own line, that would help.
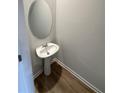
(81, 34)
(35, 42)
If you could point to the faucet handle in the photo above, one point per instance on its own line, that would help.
(44, 44)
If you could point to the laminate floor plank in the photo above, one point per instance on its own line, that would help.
(60, 81)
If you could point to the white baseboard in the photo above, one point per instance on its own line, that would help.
(77, 76)
(37, 74)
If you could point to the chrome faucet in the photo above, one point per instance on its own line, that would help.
(45, 46)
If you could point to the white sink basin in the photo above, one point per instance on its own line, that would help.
(49, 50)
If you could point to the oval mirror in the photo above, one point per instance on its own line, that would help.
(40, 19)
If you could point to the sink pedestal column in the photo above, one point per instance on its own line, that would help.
(47, 66)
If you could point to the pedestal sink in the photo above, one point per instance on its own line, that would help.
(45, 52)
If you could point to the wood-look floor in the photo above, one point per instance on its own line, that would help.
(60, 81)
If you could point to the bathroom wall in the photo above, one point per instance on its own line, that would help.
(35, 42)
(80, 29)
